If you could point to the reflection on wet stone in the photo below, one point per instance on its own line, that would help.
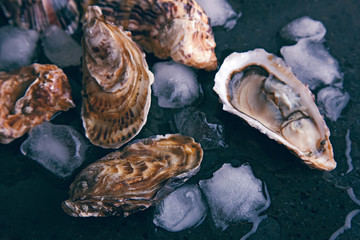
(351, 228)
(269, 228)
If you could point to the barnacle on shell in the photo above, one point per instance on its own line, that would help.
(139, 176)
(29, 96)
(169, 28)
(116, 83)
(40, 14)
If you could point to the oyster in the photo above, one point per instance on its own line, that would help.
(262, 90)
(169, 28)
(116, 82)
(40, 14)
(29, 96)
(131, 180)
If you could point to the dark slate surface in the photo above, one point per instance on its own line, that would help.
(305, 203)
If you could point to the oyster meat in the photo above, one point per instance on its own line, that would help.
(40, 14)
(131, 180)
(169, 28)
(262, 90)
(116, 83)
(30, 96)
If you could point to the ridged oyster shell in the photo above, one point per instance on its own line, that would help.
(38, 15)
(262, 90)
(131, 180)
(116, 83)
(169, 28)
(30, 96)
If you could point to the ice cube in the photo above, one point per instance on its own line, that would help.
(233, 195)
(175, 85)
(191, 122)
(17, 47)
(331, 101)
(304, 27)
(312, 63)
(220, 13)
(182, 209)
(58, 148)
(60, 48)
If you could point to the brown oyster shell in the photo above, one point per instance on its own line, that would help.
(30, 96)
(169, 28)
(116, 83)
(131, 180)
(38, 15)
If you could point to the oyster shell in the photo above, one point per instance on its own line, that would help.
(262, 90)
(38, 15)
(131, 180)
(116, 83)
(169, 28)
(30, 96)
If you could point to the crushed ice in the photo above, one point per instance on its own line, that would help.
(303, 27)
(331, 101)
(58, 148)
(17, 47)
(313, 64)
(175, 85)
(60, 48)
(182, 209)
(192, 122)
(220, 13)
(234, 195)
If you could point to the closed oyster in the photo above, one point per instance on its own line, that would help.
(40, 14)
(262, 90)
(30, 96)
(116, 83)
(131, 180)
(169, 28)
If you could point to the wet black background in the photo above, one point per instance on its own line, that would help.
(305, 203)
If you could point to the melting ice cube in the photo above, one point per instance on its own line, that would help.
(312, 63)
(233, 195)
(191, 122)
(58, 148)
(304, 27)
(175, 85)
(184, 208)
(331, 101)
(60, 48)
(17, 47)
(220, 13)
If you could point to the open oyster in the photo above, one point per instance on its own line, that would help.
(29, 96)
(131, 180)
(116, 82)
(40, 14)
(169, 28)
(262, 90)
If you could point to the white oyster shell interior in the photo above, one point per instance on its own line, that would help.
(261, 89)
